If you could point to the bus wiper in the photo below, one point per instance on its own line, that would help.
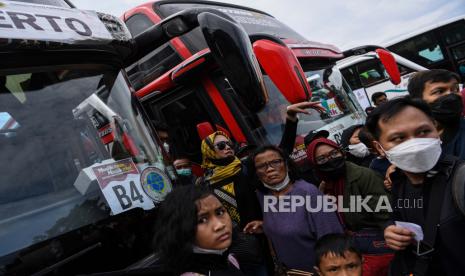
(67, 260)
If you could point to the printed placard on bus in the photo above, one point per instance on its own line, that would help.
(121, 186)
(331, 107)
(40, 22)
(362, 97)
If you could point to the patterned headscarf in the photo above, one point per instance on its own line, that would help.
(220, 173)
(208, 150)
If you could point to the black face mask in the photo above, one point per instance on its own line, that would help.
(334, 167)
(223, 161)
(447, 109)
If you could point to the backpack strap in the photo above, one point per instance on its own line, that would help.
(436, 196)
(458, 187)
(437, 190)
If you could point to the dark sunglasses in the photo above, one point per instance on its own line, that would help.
(222, 145)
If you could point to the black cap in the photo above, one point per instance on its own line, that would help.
(312, 135)
(347, 133)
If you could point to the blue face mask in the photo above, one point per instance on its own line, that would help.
(184, 172)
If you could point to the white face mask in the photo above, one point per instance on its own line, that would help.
(200, 250)
(417, 155)
(279, 186)
(359, 150)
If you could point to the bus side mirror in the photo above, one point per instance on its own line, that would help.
(390, 64)
(231, 48)
(282, 66)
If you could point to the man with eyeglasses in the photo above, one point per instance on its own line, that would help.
(425, 191)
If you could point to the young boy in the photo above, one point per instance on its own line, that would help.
(336, 254)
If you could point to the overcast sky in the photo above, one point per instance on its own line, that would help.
(342, 23)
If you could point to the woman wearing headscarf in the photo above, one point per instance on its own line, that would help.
(226, 177)
(347, 181)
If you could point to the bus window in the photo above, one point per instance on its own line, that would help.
(52, 137)
(338, 100)
(459, 52)
(404, 70)
(138, 23)
(423, 49)
(155, 63)
(182, 113)
(153, 66)
(352, 77)
(454, 33)
(371, 72)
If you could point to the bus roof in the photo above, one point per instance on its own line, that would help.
(302, 47)
(161, 2)
(349, 61)
(421, 30)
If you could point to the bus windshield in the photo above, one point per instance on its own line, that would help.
(330, 90)
(64, 135)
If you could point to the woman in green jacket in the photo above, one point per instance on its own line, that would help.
(364, 209)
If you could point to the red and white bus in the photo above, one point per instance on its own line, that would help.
(210, 97)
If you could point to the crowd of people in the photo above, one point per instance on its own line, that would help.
(408, 154)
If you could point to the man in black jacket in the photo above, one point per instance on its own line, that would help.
(405, 133)
(439, 88)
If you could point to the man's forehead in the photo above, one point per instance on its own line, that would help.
(436, 83)
(406, 119)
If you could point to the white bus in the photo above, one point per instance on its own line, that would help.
(439, 45)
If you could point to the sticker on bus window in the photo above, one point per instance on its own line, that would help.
(331, 107)
(155, 183)
(120, 184)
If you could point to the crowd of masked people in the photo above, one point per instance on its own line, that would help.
(410, 151)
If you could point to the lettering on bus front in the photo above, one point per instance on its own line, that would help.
(21, 20)
(36, 22)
